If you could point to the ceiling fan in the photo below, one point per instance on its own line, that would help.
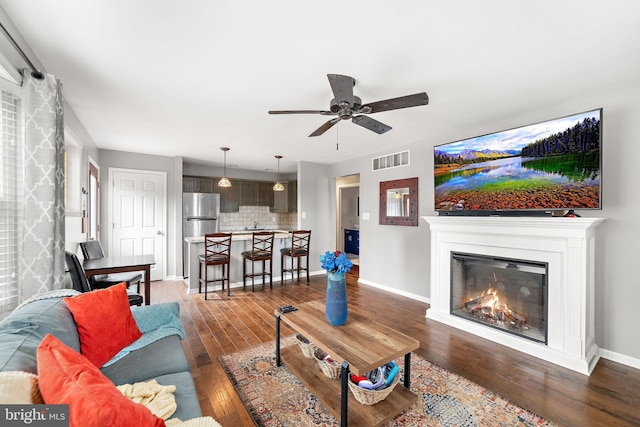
(345, 105)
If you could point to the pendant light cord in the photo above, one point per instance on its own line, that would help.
(225, 163)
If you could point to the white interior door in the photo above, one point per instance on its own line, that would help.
(138, 215)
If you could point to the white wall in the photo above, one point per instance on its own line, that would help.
(173, 167)
(316, 209)
(80, 147)
(398, 257)
(392, 256)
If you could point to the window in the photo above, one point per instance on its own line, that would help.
(10, 201)
(94, 207)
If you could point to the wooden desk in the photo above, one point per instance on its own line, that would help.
(121, 264)
(362, 345)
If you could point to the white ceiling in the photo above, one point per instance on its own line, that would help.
(183, 78)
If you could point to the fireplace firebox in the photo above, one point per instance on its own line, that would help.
(502, 293)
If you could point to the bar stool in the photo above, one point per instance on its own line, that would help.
(299, 248)
(217, 251)
(261, 250)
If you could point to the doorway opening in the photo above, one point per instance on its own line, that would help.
(348, 216)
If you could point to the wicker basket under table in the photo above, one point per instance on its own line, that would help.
(371, 397)
(307, 347)
(329, 370)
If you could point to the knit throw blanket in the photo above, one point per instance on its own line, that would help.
(155, 322)
(160, 400)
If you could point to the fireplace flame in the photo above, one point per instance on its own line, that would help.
(494, 303)
(488, 304)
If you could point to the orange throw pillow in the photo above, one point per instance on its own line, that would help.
(67, 377)
(105, 323)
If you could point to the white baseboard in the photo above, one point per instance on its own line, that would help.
(632, 362)
(395, 291)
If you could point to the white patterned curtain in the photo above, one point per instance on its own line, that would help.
(42, 256)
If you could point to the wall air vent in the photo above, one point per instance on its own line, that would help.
(391, 161)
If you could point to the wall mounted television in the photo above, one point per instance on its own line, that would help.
(543, 168)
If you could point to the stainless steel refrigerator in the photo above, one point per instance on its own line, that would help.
(200, 216)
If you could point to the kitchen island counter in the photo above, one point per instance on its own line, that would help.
(240, 242)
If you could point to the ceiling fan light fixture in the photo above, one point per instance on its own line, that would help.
(224, 181)
(278, 186)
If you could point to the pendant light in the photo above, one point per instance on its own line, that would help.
(278, 185)
(224, 181)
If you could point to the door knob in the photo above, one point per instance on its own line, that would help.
(159, 233)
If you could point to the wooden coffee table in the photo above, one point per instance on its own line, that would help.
(362, 345)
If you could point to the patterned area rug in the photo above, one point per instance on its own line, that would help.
(275, 397)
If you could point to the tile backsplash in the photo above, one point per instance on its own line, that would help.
(248, 215)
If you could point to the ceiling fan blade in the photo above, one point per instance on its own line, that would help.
(397, 103)
(371, 124)
(323, 112)
(325, 127)
(342, 88)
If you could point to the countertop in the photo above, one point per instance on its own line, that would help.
(242, 235)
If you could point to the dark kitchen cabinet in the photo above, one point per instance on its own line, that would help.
(292, 193)
(241, 192)
(265, 194)
(287, 200)
(197, 184)
(256, 193)
(248, 193)
(281, 200)
(229, 197)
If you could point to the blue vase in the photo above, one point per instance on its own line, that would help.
(336, 309)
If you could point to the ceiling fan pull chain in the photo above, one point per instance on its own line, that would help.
(337, 139)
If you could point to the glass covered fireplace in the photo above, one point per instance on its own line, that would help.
(507, 294)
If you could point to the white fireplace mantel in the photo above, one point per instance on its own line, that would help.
(567, 245)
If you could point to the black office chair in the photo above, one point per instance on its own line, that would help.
(81, 284)
(93, 250)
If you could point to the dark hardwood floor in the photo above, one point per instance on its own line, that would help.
(222, 325)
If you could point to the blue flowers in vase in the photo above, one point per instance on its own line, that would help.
(336, 262)
(337, 265)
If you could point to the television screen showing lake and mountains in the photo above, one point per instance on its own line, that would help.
(553, 165)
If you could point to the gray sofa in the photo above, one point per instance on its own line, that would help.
(163, 360)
